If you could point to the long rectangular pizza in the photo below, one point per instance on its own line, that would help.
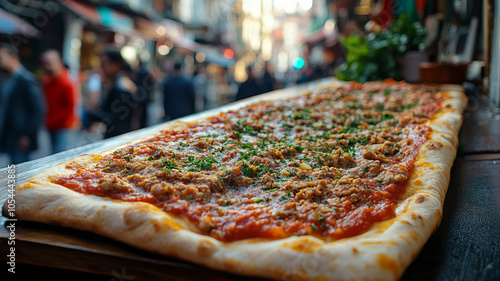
(344, 182)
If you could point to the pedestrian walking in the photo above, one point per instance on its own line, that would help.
(178, 94)
(60, 99)
(21, 107)
(117, 107)
(249, 88)
(146, 84)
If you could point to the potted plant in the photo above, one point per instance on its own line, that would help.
(410, 35)
(392, 52)
(370, 58)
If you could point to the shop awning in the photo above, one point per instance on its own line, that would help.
(211, 55)
(86, 12)
(167, 29)
(104, 16)
(187, 44)
(122, 23)
(328, 38)
(11, 24)
(147, 28)
(173, 31)
(217, 58)
(141, 27)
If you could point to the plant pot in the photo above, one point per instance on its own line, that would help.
(433, 72)
(409, 65)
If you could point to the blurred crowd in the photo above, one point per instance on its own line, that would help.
(114, 98)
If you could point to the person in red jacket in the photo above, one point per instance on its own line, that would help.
(60, 100)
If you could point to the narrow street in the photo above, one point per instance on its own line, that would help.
(80, 137)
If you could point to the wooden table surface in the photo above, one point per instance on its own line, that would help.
(466, 246)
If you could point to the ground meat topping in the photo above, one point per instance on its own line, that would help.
(329, 163)
(113, 184)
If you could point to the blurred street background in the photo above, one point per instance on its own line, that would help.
(88, 70)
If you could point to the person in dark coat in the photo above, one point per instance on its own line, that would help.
(267, 79)
(307, 76)
(249, 88)
(116, 110)
(145, 83)
(178, 94)
(21, 107)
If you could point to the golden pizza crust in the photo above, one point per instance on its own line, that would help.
(382, 253)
